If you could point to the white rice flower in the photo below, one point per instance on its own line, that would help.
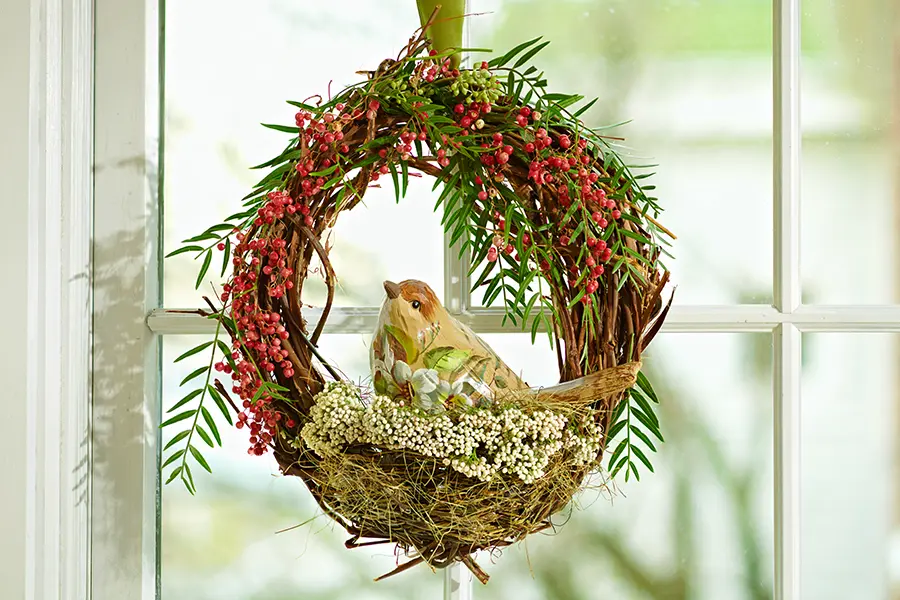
(478, 443)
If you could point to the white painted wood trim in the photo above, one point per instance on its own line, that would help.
(691, 319)
(458, 583)
(127, 369)
(786, 153)
(787, 294)
(787, 426)
(60, 207)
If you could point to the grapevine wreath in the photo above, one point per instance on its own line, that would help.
(556, 225)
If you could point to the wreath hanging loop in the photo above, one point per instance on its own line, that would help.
(558, 228)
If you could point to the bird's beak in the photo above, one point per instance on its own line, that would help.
(392, 289)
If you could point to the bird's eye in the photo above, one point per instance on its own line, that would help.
(416, 304)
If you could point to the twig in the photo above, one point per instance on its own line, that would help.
(329, 281)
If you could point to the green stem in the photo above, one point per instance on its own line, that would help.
(212, 358)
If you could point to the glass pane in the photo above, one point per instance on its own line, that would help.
(219, 90)
(701, 526)
(224, 543)
(850, 466)
(850, 133)
(695, 78)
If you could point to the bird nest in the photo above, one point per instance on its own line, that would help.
(555, 224)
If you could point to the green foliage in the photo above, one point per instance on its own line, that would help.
(634, 424)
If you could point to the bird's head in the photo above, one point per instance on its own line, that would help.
(412, 306)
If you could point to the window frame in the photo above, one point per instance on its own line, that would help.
(127, 117)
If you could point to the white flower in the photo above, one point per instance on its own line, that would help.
(402, 372)
(425, 381)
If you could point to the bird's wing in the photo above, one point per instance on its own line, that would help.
(469, 339)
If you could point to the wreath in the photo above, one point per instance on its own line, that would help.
(556, 225)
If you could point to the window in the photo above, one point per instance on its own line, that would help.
(753, 497)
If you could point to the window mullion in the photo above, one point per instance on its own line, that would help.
(787, 294)
(786, 154)
(456, 278)
(788, 340)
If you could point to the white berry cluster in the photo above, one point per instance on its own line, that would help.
(335, 420)
(479, 443)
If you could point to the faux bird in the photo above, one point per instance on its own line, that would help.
(423, 355)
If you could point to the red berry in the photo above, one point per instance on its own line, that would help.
(564, 141)
(220, 245)
(529, 147)
(616, 214)
(564, 240)
(459, 109)
(482, 195)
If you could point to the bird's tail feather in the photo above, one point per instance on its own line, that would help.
(590, 388)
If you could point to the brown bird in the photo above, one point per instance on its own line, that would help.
(422, 354)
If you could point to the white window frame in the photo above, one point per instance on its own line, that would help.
(105, 545)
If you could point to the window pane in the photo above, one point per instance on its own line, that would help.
(701, 526)
(850, 148)
(231, 65)
(850, 465)
(222, 544)
(695, 77)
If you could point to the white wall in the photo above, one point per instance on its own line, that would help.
(14, 70)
